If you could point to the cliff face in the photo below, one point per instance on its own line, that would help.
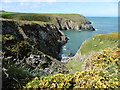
(62, 21)
(73, 25)
(32, 46)
(48, 37)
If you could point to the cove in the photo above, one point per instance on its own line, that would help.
(102, 25)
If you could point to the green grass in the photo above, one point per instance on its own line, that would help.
(43, 17)
(74, 66)
(93, 44)
(98, 42)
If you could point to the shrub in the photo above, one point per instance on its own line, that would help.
(101, 71)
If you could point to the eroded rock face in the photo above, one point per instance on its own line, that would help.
(87, 27)
(48, 38)
(30, 49)
(33, 46)
(67, 24)
(44, 64)
(71, 25)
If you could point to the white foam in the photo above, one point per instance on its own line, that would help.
(64, 49)
(68, 37)
(96, 29)
(64, 46)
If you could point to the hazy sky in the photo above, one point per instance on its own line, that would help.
(103, 9)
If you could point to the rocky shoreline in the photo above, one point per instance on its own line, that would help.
(72, 25)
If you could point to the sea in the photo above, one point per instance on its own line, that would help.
(102, 25)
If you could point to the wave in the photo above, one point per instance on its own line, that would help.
(96, 29)
(64, 49)
(64, 57)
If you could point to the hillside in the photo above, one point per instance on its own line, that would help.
(99, 70)
(91, 46)
(62, 21)
(99, 41)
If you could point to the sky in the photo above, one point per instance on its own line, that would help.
(89, 9)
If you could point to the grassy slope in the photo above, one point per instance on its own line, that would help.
(98, 42)
(93, 44)
(74, 65)
(43, 17)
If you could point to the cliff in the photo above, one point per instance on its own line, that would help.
(30, 49)
(48, 38)
(62, 21)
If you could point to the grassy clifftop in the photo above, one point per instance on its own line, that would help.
(43, 17)
(100, 41)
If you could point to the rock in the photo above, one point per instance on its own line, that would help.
(71, 25)
(48, 38)
(86, 22)
(46, 64)
(87, 27)
(67, 24)
(32, 47)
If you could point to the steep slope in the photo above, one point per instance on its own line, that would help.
(47, 37)
(30, 49)
(62, 21)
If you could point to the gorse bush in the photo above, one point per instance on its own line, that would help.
(104, 60)
(101, 71)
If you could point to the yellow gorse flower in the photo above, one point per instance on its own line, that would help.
(101, 42)
(98, 74)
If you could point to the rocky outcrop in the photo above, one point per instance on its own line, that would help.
(33, 45)
(48, 37)
(87, 27)
(73, 25)
(17, 72)
(67, 24)
(29, 50)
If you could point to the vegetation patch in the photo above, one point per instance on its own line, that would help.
(74, 65)
(101, 71)
(98, 42)
(43, 17)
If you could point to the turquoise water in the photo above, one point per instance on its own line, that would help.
(102, 25)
